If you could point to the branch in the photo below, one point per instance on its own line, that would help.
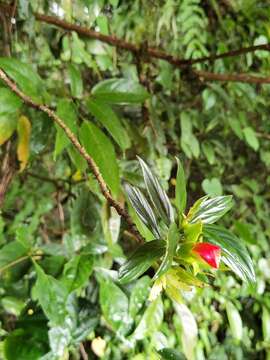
(91, 163)
(208, 76)
(151, 52)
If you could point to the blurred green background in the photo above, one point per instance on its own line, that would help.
(219, 129)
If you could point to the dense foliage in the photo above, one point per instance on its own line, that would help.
(76, 280)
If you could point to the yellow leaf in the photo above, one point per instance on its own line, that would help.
(24, 131)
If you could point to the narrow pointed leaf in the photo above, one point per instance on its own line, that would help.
(120, 91)
(157, 195)
(142, 208)
(141, 260)
(108, 118)
(234, 253)
(180, 191)
(24, 131)
(210, 210)
(173, 237)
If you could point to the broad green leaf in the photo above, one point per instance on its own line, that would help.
(108, 118)
(235, 321)
(212, 187)
(234, 253)
(143, 209)
(180, 190)
(150, 321)
(12, 253)
(209, 210)
(100, 148)
(141, 260)
(76, 84)
(171, 354)
(8, 124)
(139, 295)
(25, 77)
(114, 305)
(157, 195)
(120, 91)
(24, 132)
(9, 102)
(243, 229)
(171, 243)
(25, 344)
(51, 295)
(77, 271)
(251, 138)
(67, 113)
(12, 305)
(59, 338)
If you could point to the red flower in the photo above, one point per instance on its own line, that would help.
(209, 253)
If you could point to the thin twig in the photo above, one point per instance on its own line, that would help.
(83, 352)
(91, 163)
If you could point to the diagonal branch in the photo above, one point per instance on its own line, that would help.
(91, 163)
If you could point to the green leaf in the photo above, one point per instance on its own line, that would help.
(143, 209)
(120, 91)
(100, 148)
(59, 338)
(66, 112)
(26, 78)
(251, 138)
(244, 231)
(172, 240)
(12, 305)
(139, 295)
(76, 83)
(180, 190)
(212, 187)
(51, 295)
(114, 305)
(171, 354)
(157, 195)
(188, 142)
(209, 210)
(11, 253)
(108, 118)
(8, 124)
(25, 344)
(193, 231)
(266, 324)
(77, 271)
(189, 334)
(209, 152)
(235, 321)
(9, 102)
(141, 260)
(150, 321)
(234, 253)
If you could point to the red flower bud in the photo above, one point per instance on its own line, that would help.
(209, 253)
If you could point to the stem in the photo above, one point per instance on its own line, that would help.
(90, 161)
